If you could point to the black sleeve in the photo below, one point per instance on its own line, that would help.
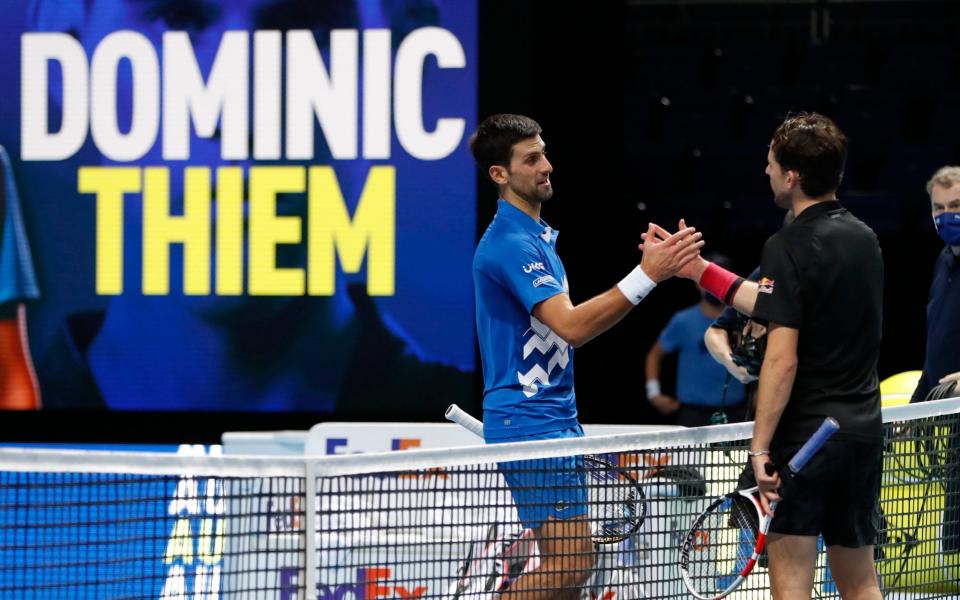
(779, 295)
(922, 389)
(729, 320)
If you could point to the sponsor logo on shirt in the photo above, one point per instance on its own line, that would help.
(534, 266)
(765, 286)
(543, 280)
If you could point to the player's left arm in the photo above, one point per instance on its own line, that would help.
(776, 381)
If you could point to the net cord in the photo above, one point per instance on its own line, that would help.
(158, 463)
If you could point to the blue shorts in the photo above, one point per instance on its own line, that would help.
(547, 487)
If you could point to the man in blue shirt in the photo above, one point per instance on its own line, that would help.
(704, 388)
(527, 328)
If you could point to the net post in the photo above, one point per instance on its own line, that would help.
(310, 533)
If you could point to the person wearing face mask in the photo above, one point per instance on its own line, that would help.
(942, 362)
(705, 394)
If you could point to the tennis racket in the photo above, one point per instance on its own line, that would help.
(723, 545)
(616, 503)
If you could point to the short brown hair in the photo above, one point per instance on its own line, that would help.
(813, 146)
(492, 142)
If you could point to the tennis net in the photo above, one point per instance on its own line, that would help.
(444, 524)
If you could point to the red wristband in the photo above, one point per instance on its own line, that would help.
(719, 282)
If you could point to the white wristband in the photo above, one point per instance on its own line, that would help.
(636, 285)
(653, 388)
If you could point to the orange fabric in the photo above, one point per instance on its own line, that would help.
(18, 389)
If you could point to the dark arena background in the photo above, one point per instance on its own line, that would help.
(652, 111)
(237, 300)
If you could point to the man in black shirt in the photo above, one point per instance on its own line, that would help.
(821, 290)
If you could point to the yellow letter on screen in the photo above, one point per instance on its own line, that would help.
(109, 184)
(372, 231)
(229, 231)
(267, 230)
(160, 229)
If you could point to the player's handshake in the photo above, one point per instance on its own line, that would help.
(666, 255)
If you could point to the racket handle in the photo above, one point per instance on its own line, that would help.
(816, 441)
(464, 419)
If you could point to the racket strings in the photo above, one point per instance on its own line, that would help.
(616, 502)
(744, 516)
(722, 546)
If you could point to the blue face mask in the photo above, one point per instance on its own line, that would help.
(948, 227)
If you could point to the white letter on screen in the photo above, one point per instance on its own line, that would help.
(376, 93)
(408, 90)
(222, 99)
(145, 101)
(36, 52)
(267, 69)
(331, 97)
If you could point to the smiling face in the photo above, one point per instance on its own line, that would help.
(528, 175)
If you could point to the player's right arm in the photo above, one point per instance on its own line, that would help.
(579, 324)
(744, 298)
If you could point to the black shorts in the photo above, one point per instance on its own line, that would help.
(837, 494)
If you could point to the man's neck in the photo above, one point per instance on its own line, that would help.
(802, 203)
(532, 209)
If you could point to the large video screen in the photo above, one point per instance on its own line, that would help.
(262, 205)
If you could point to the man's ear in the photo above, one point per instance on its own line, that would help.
(65, 16)
(498, 174)
(793, 179)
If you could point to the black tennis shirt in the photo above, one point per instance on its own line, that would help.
(823, 275)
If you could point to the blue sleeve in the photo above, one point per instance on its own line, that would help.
(522, 269)
(17, 279)
(672, 335)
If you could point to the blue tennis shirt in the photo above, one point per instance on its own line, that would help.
(527, 368)
(700, 379)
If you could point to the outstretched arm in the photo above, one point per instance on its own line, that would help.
(728, 287)
(579, 324)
